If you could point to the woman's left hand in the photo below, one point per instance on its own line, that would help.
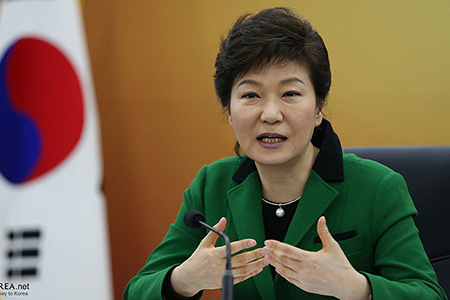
(326, 272)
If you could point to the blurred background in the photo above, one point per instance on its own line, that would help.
(153, 63)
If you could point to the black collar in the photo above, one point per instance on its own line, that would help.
(329, 165)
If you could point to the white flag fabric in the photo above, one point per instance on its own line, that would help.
(53, 225)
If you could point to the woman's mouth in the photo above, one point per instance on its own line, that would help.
(271, 140)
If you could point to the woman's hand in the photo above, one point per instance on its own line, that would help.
(205, 267)
(326, 272)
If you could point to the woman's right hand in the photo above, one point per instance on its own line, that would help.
(204, 269)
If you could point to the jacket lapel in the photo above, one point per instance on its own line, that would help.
(246, 211)
(316, 198)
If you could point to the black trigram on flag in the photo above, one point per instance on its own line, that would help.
(22, 253)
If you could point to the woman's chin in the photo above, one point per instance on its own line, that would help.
(271, 160)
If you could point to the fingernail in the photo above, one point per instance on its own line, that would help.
(268, 244)
(324, 223)
(251, 243)
(264, 251)
(266, 261)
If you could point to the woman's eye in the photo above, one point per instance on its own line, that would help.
(291, 94)
(250, 96)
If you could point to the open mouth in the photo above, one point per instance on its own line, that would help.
(271, 138)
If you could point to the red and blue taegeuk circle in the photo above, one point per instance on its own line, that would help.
(41, 109)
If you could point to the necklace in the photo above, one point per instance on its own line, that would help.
(280, 211)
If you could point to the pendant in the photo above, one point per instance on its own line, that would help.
(280, 212)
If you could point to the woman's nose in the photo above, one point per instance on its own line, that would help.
(272, 112)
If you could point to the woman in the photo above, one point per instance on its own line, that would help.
(306, 220)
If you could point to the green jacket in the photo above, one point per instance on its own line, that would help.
(373, 200)
(368, 211)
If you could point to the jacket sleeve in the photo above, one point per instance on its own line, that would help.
(178, 244)
(403, 270)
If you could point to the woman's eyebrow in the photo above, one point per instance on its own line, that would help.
(283, 82)
(249, 81)
(292, 79)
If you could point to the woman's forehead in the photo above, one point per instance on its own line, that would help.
(286, 68)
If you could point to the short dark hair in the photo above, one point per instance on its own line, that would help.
(275, 35)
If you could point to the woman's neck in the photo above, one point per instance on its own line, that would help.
(283, 183)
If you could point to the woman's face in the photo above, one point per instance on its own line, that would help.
(273, 113)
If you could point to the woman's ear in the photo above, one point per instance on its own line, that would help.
(319, 115)
(229, 116)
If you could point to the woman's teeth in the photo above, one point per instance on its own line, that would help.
(271, 139)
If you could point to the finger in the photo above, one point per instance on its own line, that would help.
(221, 225)
(280, 249)
(245, 258)
(239, 245)
(281, 267)
(248, 270)
(278, 260)
(211, 238)
(324, 234)
(238, 279)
